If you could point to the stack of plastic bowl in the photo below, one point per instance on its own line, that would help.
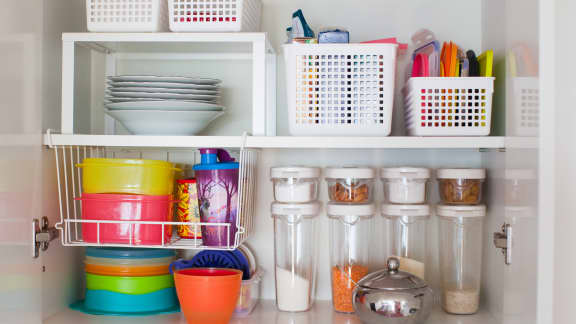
(127, 190)
(128, 282)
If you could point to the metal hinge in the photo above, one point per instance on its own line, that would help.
(42, 235)
(503, 240)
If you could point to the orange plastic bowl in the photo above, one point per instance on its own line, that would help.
(208, 295)
(127, 271)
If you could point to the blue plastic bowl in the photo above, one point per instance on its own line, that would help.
(128, 253)
(102, 302)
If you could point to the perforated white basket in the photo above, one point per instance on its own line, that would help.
(525, 113)
(340, 89)
(215, 15)
(448, 106)
(127, 15)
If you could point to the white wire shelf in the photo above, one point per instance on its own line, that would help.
(69, 179)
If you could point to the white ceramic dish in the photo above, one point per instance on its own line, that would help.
(170, 85)
(123, 99)
(164, 90)
(153, 122)
(167, 105)
(162, 95)
(155, 78)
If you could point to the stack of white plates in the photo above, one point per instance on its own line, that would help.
(159, 105)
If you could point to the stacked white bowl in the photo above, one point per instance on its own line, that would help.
(163, 105)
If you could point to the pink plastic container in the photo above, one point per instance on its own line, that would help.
(117, 207)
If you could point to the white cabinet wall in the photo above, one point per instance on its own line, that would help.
(37, 290)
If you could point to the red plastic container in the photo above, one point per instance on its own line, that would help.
(118, 207)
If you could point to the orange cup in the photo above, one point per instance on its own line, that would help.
(208, 295)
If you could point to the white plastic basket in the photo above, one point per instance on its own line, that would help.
(448, 106)
(525, 118)
(340, 89)
(127, 15)
(215, 15)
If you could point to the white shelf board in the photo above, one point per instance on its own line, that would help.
(265, 312)
(392, 142)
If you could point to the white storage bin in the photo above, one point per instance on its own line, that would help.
(127, 15)
(215, 15)
(340, 89)
(449, 106)
(525, 106)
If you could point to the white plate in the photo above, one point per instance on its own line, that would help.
(155, 78)
(161, 95)
(152, 122)
(165, 90)
(168, 105)
(163, 85)
(126, 99)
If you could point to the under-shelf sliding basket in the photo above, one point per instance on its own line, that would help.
(448, 106)
(215, 15)
(157, 233)
(340, 89)
(127, 15)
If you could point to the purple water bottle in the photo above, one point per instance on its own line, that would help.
(217, 181)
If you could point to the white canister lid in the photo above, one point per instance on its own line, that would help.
(461, 211)
(406, 210)
(340, 209)
(461, 173)
(310, 209)
(405, 172)
(350, 172)
(284, 172)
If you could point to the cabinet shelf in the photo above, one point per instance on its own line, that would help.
(266, 312)
(278, 142)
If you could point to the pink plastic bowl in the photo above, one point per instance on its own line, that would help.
(118, 207)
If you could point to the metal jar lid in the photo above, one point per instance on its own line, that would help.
(392, 278)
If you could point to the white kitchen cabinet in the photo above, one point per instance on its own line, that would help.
(530, 159)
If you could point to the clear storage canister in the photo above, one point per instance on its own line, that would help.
(350, 184)
(407, 236)
(405, 185)
(295, 184)
(461, 232)
(461, 186)
(350, 227)
(295, 255)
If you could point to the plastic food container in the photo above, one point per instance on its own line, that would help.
(461, 186)
(129, 285)
(112, 207)
(350, 227)
(461, 233)
(407, 228)
(127, 271)
(350, 184)
(102, 302)
(405, 185)
(295, 184)
(249, 295)
(295, 255)
(133, 176)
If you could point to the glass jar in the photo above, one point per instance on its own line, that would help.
(350, 232)
(461, 232)
(405, 185)
(461, 186)
(295, 255)
(350, 184)
(295, 184)
(407, 227)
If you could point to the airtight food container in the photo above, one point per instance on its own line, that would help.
(461, 186)
(350, 184)
(294, 184)
(405, 185)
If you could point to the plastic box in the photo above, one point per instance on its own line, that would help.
(340, 89)
(126, 15)
(249, 295)
(215, 15)
(448, 106)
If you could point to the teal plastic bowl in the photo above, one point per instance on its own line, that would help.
(102, 302)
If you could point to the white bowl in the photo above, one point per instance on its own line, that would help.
(154, 122)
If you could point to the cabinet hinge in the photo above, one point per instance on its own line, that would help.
(42, 235)
(503, 241)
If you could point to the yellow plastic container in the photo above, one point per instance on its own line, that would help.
(133, 176)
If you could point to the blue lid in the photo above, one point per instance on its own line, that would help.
(234, 259)
(217, 166)
(215, 159)
(128, 253)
